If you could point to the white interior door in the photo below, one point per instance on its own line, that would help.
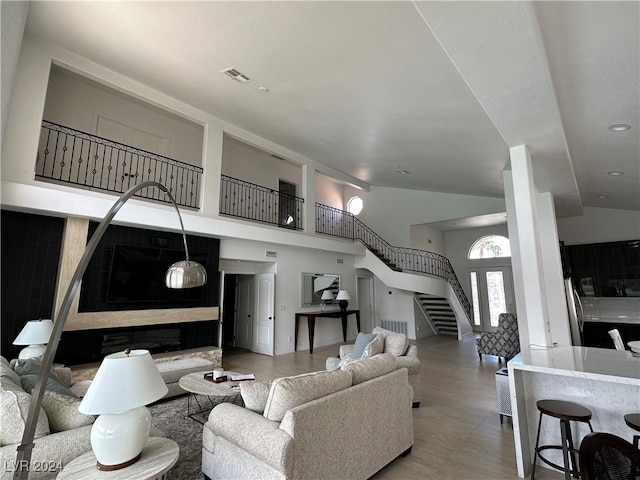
(263, 325)
(492, 291)
(244, 312)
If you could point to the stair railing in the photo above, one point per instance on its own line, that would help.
(340, 223)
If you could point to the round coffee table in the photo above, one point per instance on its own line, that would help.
(215, 393)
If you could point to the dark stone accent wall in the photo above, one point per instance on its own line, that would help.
(30, 256)
(30, 250)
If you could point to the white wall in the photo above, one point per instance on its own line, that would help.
(391, 211)
(396, 305)
(76, 102)
(329, 191)
(290, 263)
(599, 225)
(245, 162)
(424, 237)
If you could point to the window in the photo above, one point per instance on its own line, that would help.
(354, 205)
(490, 246)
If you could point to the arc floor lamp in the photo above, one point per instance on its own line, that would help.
(182, 274)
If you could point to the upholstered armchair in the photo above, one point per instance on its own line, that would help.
(386, 341)
(505, 342)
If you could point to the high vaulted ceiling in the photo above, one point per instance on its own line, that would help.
(440, 90)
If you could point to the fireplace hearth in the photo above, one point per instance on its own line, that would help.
(89, 346)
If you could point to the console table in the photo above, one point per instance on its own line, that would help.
(311, 322)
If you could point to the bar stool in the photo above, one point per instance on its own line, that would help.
(633, 421)
(566, 412)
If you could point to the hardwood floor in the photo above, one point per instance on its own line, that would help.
(457, 428)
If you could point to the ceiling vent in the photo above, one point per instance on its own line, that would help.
(234, 74)
(271, 254)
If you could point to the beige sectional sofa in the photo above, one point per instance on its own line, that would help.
(342, 424)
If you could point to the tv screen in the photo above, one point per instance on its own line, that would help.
(137, 276)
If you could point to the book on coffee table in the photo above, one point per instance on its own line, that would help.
(247, 376)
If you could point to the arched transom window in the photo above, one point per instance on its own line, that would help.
(490, 246)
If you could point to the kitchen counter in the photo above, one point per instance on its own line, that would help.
(605, 381)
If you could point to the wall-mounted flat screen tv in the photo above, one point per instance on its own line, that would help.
(137, 276)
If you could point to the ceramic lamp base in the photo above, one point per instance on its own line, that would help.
(343, 304)
(118, 438)
(32, 351)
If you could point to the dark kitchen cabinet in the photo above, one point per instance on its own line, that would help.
(604, 269)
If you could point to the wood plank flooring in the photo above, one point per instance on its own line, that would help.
(457, 430)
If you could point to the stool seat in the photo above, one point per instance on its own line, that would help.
(633, 420)
(564, 410)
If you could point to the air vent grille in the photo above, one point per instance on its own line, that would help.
(235, 75)
(270, 254)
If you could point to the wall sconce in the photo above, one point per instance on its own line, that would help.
(182, 274)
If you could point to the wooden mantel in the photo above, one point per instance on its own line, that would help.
(74, 243)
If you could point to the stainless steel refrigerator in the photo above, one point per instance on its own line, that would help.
(576, 315)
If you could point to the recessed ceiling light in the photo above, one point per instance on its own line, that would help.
(615, 173)
(602, 197)
(619, 127)
(401, 171)
(263, 89)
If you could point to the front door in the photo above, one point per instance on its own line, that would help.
(263, 326)
(492, 291)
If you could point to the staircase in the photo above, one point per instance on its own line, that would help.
(439, 313)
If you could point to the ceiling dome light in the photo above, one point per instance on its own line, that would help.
(615, 173)
(401, 171)
(619, 127)
(602, 197)
(355, 205)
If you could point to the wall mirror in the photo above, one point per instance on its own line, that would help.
(314, 284)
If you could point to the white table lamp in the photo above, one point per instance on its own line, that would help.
(343, 299)
(327, 296)
(36, 334)
(124, 384)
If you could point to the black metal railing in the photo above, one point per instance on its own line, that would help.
(249, 201)
(70, 156)
(339, 223)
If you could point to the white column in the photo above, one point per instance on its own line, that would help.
(534, 321)
(212, 165)
(309, 195)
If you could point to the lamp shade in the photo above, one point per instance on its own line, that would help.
(327, 295)
(124, 382)
(35, 332)
(343, 295)
(186, 274)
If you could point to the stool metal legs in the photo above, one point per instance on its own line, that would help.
(568, 450)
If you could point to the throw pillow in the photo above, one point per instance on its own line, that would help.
(362, 340)
(374, 347)
(255, 395)
(394, 343)
(29, 383)
(14, 408)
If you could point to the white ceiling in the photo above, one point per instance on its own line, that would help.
(439, 89)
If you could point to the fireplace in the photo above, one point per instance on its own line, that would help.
(89, 346)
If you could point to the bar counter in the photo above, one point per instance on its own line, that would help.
(605, 381)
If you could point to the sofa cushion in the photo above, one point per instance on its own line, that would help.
(255, 395)
(368, 368)
(63, 413)
(7, 372)
(362, 340)
(14, 405)
(289, 392)
(394, 343)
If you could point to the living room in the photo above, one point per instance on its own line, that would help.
(247, 248)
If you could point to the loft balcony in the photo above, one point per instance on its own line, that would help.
(71, 157)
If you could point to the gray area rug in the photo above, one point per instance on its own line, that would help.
(171, 417)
